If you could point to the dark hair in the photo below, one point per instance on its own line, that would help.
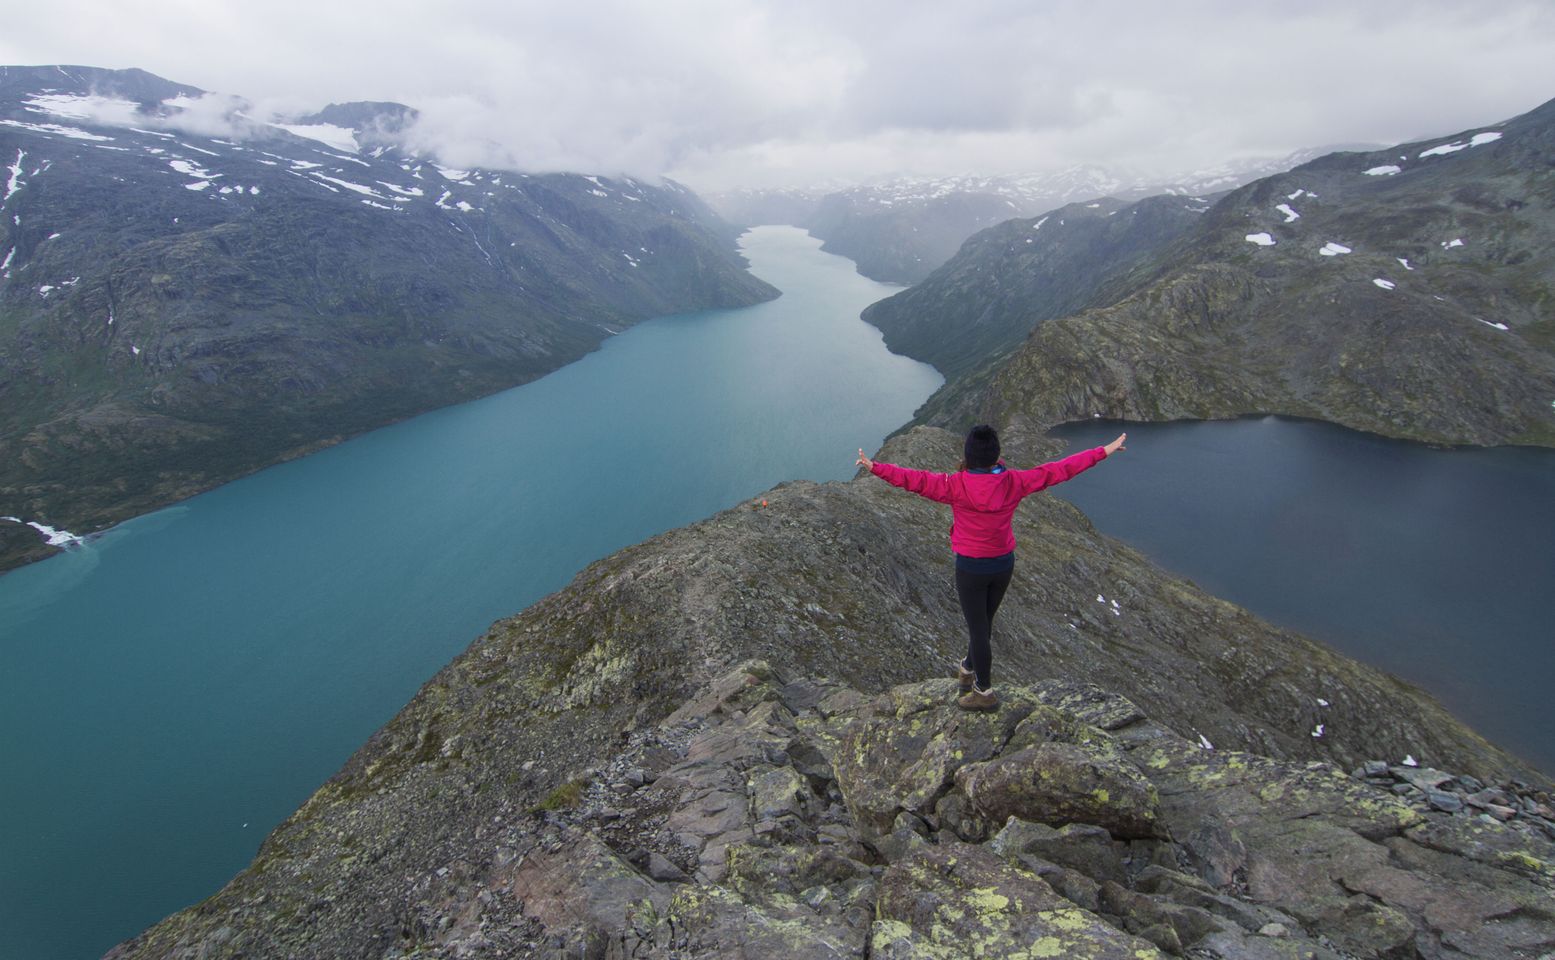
(982, 448)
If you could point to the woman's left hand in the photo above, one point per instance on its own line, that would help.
(1116, 445)
(864, 461)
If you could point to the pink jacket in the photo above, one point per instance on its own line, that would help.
(982, 504)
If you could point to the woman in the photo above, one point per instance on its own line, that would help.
(983, 495)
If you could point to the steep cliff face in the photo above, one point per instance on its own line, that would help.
(178, 307)
(590, 776)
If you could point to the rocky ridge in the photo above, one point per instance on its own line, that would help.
(799, 817)
(599, 775)
(188, 294)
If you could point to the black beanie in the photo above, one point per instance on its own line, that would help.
(982, 447)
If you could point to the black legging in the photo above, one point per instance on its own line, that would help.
(980, 594)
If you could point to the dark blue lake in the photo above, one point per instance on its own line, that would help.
(1435, 565)
(171, 691)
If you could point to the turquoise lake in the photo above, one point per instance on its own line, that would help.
(175, 688)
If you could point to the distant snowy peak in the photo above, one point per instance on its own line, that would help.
(1030, 194)
(206, 113)
(136, 86)
(112, 107)
(161, 134)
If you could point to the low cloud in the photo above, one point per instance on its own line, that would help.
(209, 115)
(723, 93)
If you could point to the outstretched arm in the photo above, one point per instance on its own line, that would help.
(935, 486)
(1048, 474)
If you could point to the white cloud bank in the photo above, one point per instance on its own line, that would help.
(725, 93)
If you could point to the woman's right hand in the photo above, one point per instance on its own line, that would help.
(1116, 445)
(864, 461)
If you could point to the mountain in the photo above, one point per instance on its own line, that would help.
(188, 294)
(1048, 267)
(1407, 292)
(721, 743)
(899, 230)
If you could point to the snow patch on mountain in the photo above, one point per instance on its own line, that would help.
(356, 187)
(54, 129)
(55, 538)
(15, 182)
(108, 111)
(192, 170)
(326, 133)
(1478, 140)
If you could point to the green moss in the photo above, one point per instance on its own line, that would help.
(1525, 862)
(564, 797)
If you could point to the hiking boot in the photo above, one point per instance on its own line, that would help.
(979, 700)
(965, 676)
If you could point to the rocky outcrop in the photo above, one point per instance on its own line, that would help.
(774, 815)
(594, 770)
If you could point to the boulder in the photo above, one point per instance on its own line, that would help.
(1080, 846)
(904, 755)
(1059, 783)
(578, 888)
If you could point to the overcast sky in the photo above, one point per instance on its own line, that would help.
(727, 93)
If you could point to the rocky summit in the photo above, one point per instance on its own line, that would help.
(740, 739)
(780, 816)
(188, 294)
(1405, 292)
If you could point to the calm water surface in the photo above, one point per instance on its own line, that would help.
(1435, 565)
(174, 689)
